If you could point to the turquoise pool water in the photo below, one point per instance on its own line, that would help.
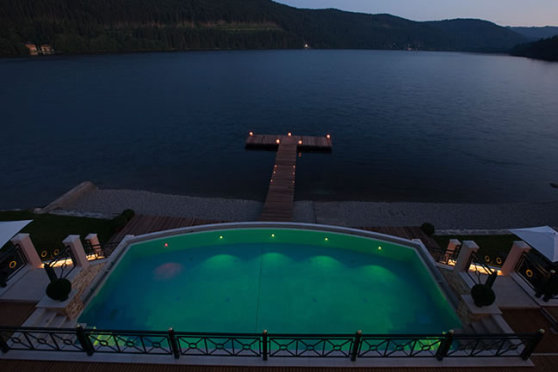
(285, 281)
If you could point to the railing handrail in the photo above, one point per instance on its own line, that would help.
(252, 334)
(488, 271)
(267, 345)
(63, 255)
(9, 249)
(100, 250)
(542, 274)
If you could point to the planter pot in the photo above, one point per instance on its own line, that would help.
(59, 289)
(483, 295)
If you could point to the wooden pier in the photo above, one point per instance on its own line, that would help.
(279, 202)
(303, 143)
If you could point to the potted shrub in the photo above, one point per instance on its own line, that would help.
(483, 295)
(59, 289)
(428, 228)
(129, 214)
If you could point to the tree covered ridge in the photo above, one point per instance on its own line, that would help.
(545, 49)
(91, 26)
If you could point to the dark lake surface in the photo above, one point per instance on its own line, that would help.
(409, 126)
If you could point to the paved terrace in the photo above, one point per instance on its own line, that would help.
(17, 312)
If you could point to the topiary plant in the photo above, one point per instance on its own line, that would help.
(129, 214)
(59, 289)
(483, 295)
(428, 228)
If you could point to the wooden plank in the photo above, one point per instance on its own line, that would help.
(14, 313)
(543, 363)
(529, 320)
(408, 232)
(142, 224)
(279, 202)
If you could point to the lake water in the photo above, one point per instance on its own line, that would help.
(412, 126)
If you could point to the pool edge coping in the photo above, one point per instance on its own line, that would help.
(128, 240)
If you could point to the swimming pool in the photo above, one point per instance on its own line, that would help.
(283, 280)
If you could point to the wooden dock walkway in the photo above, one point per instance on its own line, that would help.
(279, 202)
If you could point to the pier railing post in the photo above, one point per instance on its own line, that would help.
(84, 340)
(464, 257)
(445, 344)
(264, 345)
(26, 245)
(356, 345)
(77, 253)
(532, 344)
(173, 344)
(518, 249)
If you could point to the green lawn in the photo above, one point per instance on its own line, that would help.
(492, 246)
(47, 230)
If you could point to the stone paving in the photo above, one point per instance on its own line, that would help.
(446, 216)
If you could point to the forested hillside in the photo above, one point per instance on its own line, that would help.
(100, 26)
(536, 33)
(546, 49)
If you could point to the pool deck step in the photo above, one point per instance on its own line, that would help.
(490, 325)
(34, 318)
(68, 323)
(478, 327)
(494, 324)
(57, 321)
(46, 319)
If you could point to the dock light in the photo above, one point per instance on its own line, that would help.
(300, 142)
(277, 141)
(166, 245)
(251, 134)
(328, 136)
(289, 134)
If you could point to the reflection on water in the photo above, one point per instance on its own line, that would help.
(405, 126)
(167, 270)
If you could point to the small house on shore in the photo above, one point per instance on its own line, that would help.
(33, 51)
(42, 50)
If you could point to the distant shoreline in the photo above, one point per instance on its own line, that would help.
(155, 51)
